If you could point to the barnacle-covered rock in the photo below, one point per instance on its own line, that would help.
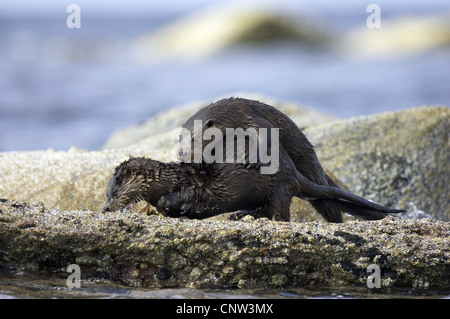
(153, 251)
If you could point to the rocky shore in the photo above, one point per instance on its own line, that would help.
(152, 251)
(50, 212)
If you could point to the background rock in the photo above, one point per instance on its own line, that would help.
(405, 35)
(392, 158)
(228, 25)
(165, 123)
(66, 180)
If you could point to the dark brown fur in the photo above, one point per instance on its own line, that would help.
(181, 189)
(238, 112)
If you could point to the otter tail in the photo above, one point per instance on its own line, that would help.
(331, 210)
(330, 201)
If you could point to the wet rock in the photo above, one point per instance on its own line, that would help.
(166, 252)
(394, 158)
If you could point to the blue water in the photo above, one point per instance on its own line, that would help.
(45, 286)
(62, 87)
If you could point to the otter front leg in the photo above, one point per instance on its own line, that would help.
(173, 205)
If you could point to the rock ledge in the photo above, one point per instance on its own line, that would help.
(152, 251)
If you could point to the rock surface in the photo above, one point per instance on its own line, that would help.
(152, 251)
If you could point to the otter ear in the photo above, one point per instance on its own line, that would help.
(135, 171)
(209, 123)
(129, 171)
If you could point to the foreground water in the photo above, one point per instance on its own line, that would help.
(17, 285)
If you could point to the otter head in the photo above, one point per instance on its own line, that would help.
(129, 184)
(213, 139)
(199, 140)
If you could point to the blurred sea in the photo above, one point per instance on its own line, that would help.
(62, 87)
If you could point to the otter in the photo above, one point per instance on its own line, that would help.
(244, 113)
(183, 189)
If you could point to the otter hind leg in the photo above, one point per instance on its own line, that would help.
(328, 209)
(278, 207)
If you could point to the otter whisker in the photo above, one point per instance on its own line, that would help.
(138, 199)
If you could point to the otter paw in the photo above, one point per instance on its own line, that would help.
(171, 205)
(241, 214)
(165, 202)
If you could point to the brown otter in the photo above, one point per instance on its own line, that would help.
(244, 113)
(182, 189)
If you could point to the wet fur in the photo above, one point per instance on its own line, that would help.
(181, 189)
